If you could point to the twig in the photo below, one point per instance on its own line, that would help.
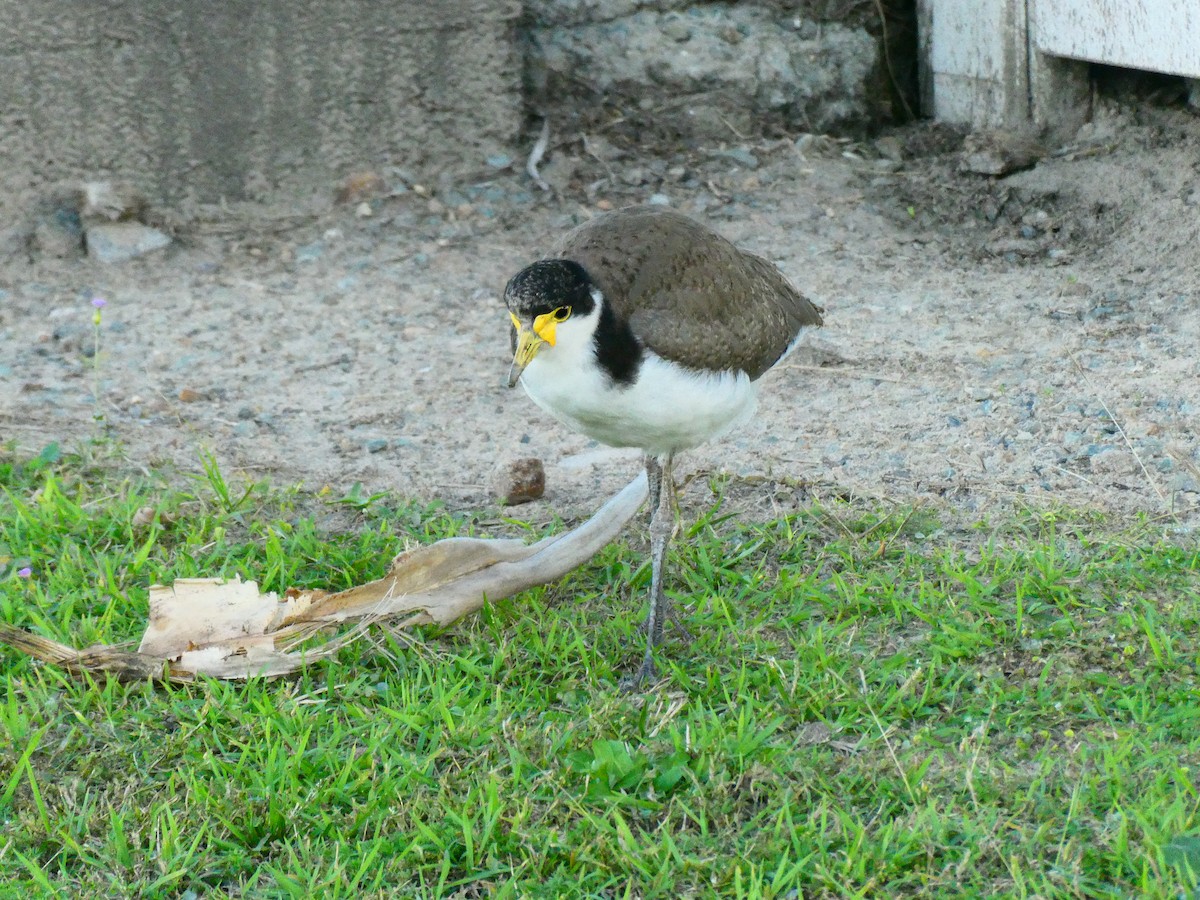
(883, 734)
(1121, 431)
(1073, 474)
(887, 60)
(536, 154)
(716, 191)
(729, 125)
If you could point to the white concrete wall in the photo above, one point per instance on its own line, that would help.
(974, 67)
(1157, 35)
(1008, 62)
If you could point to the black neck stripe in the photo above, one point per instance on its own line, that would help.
(618, 351)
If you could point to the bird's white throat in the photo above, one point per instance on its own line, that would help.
(667, 408)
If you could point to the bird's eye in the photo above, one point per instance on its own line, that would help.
(561, 314)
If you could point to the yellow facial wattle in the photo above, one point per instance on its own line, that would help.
(545, 326)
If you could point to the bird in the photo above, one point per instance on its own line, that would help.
(645, 328)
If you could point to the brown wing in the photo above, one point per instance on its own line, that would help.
(690, 295)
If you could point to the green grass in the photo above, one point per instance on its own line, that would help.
(870, 708)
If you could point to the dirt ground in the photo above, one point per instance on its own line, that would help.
(1029, 340)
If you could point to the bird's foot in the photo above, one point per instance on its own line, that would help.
(682, 632)
(645, 676)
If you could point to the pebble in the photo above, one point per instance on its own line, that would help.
(360, 186)
(187, 395)
(677, 30)
(310, 252)
(659, 200)
(1111, 461)
(519, 481)
(1013, 248)
(59, 236)
(376, 445)
(738, 155)
(116, 242)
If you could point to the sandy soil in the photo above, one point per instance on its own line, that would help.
(1026, 340)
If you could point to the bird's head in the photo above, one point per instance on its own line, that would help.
(541, 299)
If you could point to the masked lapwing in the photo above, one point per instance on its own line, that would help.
(646, 329)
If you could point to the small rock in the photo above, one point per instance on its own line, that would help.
(58, 236)
(890, 148)
(635, 176)
(677, 30)
(360, 186)
(739, 155)
(807, 29)
(309, 252)
(999, 152)
(364, 210)
(731, 35)
(659, 200)
(1182, 481)
(112, 201)
(115, 242)
(1111, 461)
(1014, 247)
(980, 393)
(519, 481)
(983, 162)
(187, 395)
(376, 445)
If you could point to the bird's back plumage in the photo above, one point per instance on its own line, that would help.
(690, 295)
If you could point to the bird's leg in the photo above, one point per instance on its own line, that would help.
(662, 525)
(654, 474)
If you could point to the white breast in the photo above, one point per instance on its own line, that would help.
(667, 409)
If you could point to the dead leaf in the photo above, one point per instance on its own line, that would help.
(814, 733)
(228, 629)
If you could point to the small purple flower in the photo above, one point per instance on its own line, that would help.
(25, 572)
(99, 302)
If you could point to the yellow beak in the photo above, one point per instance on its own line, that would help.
(529, 342)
